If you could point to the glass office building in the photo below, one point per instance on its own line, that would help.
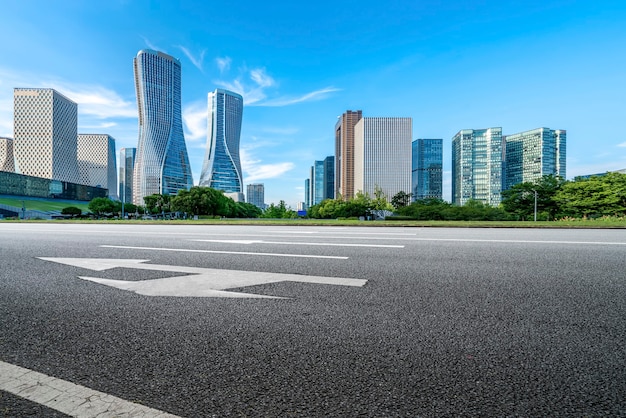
(427, 169)
(222, 166)
(477, 166)
(255, 195)
(127, 166)
(162, 164)
(329, 178)
(533, 154)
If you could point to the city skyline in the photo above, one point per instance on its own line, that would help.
(448, 67)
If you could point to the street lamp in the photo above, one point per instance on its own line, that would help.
(535, 191)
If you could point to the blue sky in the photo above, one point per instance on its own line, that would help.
(449, 65)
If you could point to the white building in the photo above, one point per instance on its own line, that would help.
(96, 162)
(382, 155)
(6, 155)
(45, 134)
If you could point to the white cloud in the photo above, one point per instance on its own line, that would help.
(622, 145)
(254, 170)
(96, 101)
(195, 120)
(150, 44)
(312, 96)
(223, 63)
(259, 76)
(195, 61)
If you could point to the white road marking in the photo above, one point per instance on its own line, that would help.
(520, 241)
(201, 282)
(186, 250)
(323, 244)
(69, 398)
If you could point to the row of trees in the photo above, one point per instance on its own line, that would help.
(555, 198)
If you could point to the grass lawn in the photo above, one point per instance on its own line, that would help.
(42, 205)
(333, 222)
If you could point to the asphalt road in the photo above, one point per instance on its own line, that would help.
(451, 322)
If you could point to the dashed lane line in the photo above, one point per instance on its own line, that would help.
(69, 398)
(187, 250)
(321, 244)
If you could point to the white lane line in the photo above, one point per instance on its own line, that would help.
(520, 241)
(186, 250)
(69, 398)
(345, 232)
(323, 244)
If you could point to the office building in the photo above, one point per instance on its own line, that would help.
(344, 153)
(382, 156)
(427, 169)
(6, 155)
(222, 166)
(317, 182)
(329, 178)
(162, 164)
(127, 166)
(307, 192)
(97, 166)
(45, 129)
(477, 166)
(532, 154)
(255, 194)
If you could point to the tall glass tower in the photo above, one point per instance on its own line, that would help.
(222, 166)
(427, 169)
(162, 164)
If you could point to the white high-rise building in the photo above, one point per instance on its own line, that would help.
(96, 162)
(255, 194)
(382, 155)
(6, 155)
(45, 131)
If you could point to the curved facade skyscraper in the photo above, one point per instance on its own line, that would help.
(222, 166)
(162, 164)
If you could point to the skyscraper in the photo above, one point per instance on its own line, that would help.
(329, 178)
(162, 164)
(382, 155)
(477, 157)
(427, 169)
(222, 166)
(317, 182)
(533, 154)
(344, 153)
(255, 194)
(6, 155)
(96, 162)
(307, 193)
(46, 131)
(127, 166)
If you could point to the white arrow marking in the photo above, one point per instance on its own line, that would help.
(201, 282)
(322, 244)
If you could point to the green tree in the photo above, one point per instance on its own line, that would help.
(401, 199)
(519, 199)
(279, 211)
(157, 203)
(594, 196)
(202, 201)
(100, 206)
(73, 211)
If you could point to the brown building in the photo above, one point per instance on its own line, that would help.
(344, 153)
